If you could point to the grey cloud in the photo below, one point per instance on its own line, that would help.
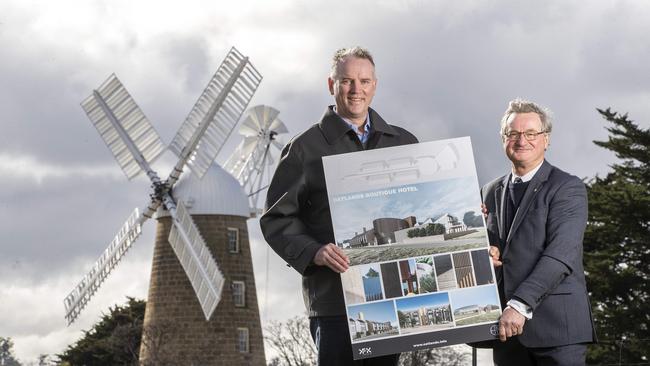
(445, 69)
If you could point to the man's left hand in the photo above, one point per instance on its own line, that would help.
(332, 256)
(511, 324)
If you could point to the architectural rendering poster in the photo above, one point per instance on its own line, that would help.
(409, 218)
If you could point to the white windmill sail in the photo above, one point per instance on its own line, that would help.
(79, 297)
(216, 113)
(135, 144)
(196, 259)
(112, 105)
(242, 154)
(248, 162)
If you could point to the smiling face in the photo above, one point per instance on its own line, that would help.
(353, 87)
(525, 155)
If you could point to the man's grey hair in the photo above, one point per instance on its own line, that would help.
(524, 106)
(342, 53)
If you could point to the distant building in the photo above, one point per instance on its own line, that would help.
(427, 316)
(451, 223)
(382, 232)
(360, 327)
(366, 238)
(386, 227)
(470, 309)
(475, 309)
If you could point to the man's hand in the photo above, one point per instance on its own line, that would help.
(494, 255)
(484, 210)
(511, 324)
(333, 257)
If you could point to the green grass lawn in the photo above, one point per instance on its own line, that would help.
(482, 318)
(378, 254)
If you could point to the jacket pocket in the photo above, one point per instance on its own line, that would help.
(562, 289)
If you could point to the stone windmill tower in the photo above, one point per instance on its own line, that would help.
(175, 329)
(202, 222)
(234, 337)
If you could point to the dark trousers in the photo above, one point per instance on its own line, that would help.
(513, 353)
(332, 338)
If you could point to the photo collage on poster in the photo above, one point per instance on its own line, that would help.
(409, 219)
(421, 294)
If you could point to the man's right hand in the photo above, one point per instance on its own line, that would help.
(511, 323)
(333, 257)
(484, 210)
(494, 255)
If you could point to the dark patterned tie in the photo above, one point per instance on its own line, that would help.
(516, 190)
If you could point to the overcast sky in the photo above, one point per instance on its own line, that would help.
(445, 68)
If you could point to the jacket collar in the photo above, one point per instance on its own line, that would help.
(540, 176)
(334, 127)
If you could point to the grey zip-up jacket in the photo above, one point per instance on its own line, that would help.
(297, 219)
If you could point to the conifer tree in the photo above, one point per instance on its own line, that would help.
(114, 340)
(7, 357)
(617, 247)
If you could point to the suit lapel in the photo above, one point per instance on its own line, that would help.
(535, 184)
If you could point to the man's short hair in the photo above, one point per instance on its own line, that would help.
(524, 106)
(342, 53)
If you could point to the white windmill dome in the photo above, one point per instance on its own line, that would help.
(217, 193)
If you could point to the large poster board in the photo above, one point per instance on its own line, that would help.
(409, 219)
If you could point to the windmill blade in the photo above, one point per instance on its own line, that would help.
(248, 145)
(240, 156)
(266, 118)
(278, 126)
(196, 259)
(215, 114)
(250, 127)
(263, 115)
(260, 128)
(123, 126)
(259, 158)
(79, 297)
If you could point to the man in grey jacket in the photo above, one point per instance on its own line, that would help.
(297, 221)
(536, 220)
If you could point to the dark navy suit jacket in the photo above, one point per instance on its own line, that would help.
(542, 255)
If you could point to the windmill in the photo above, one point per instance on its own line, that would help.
(249, 160)
(136, 145)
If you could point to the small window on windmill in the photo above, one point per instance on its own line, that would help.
(239, 293)
(233, 240)
(242, 340)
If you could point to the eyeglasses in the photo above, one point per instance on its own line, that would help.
(529, 135)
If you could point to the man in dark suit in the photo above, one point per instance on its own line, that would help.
(297, 222)
(536, 217)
